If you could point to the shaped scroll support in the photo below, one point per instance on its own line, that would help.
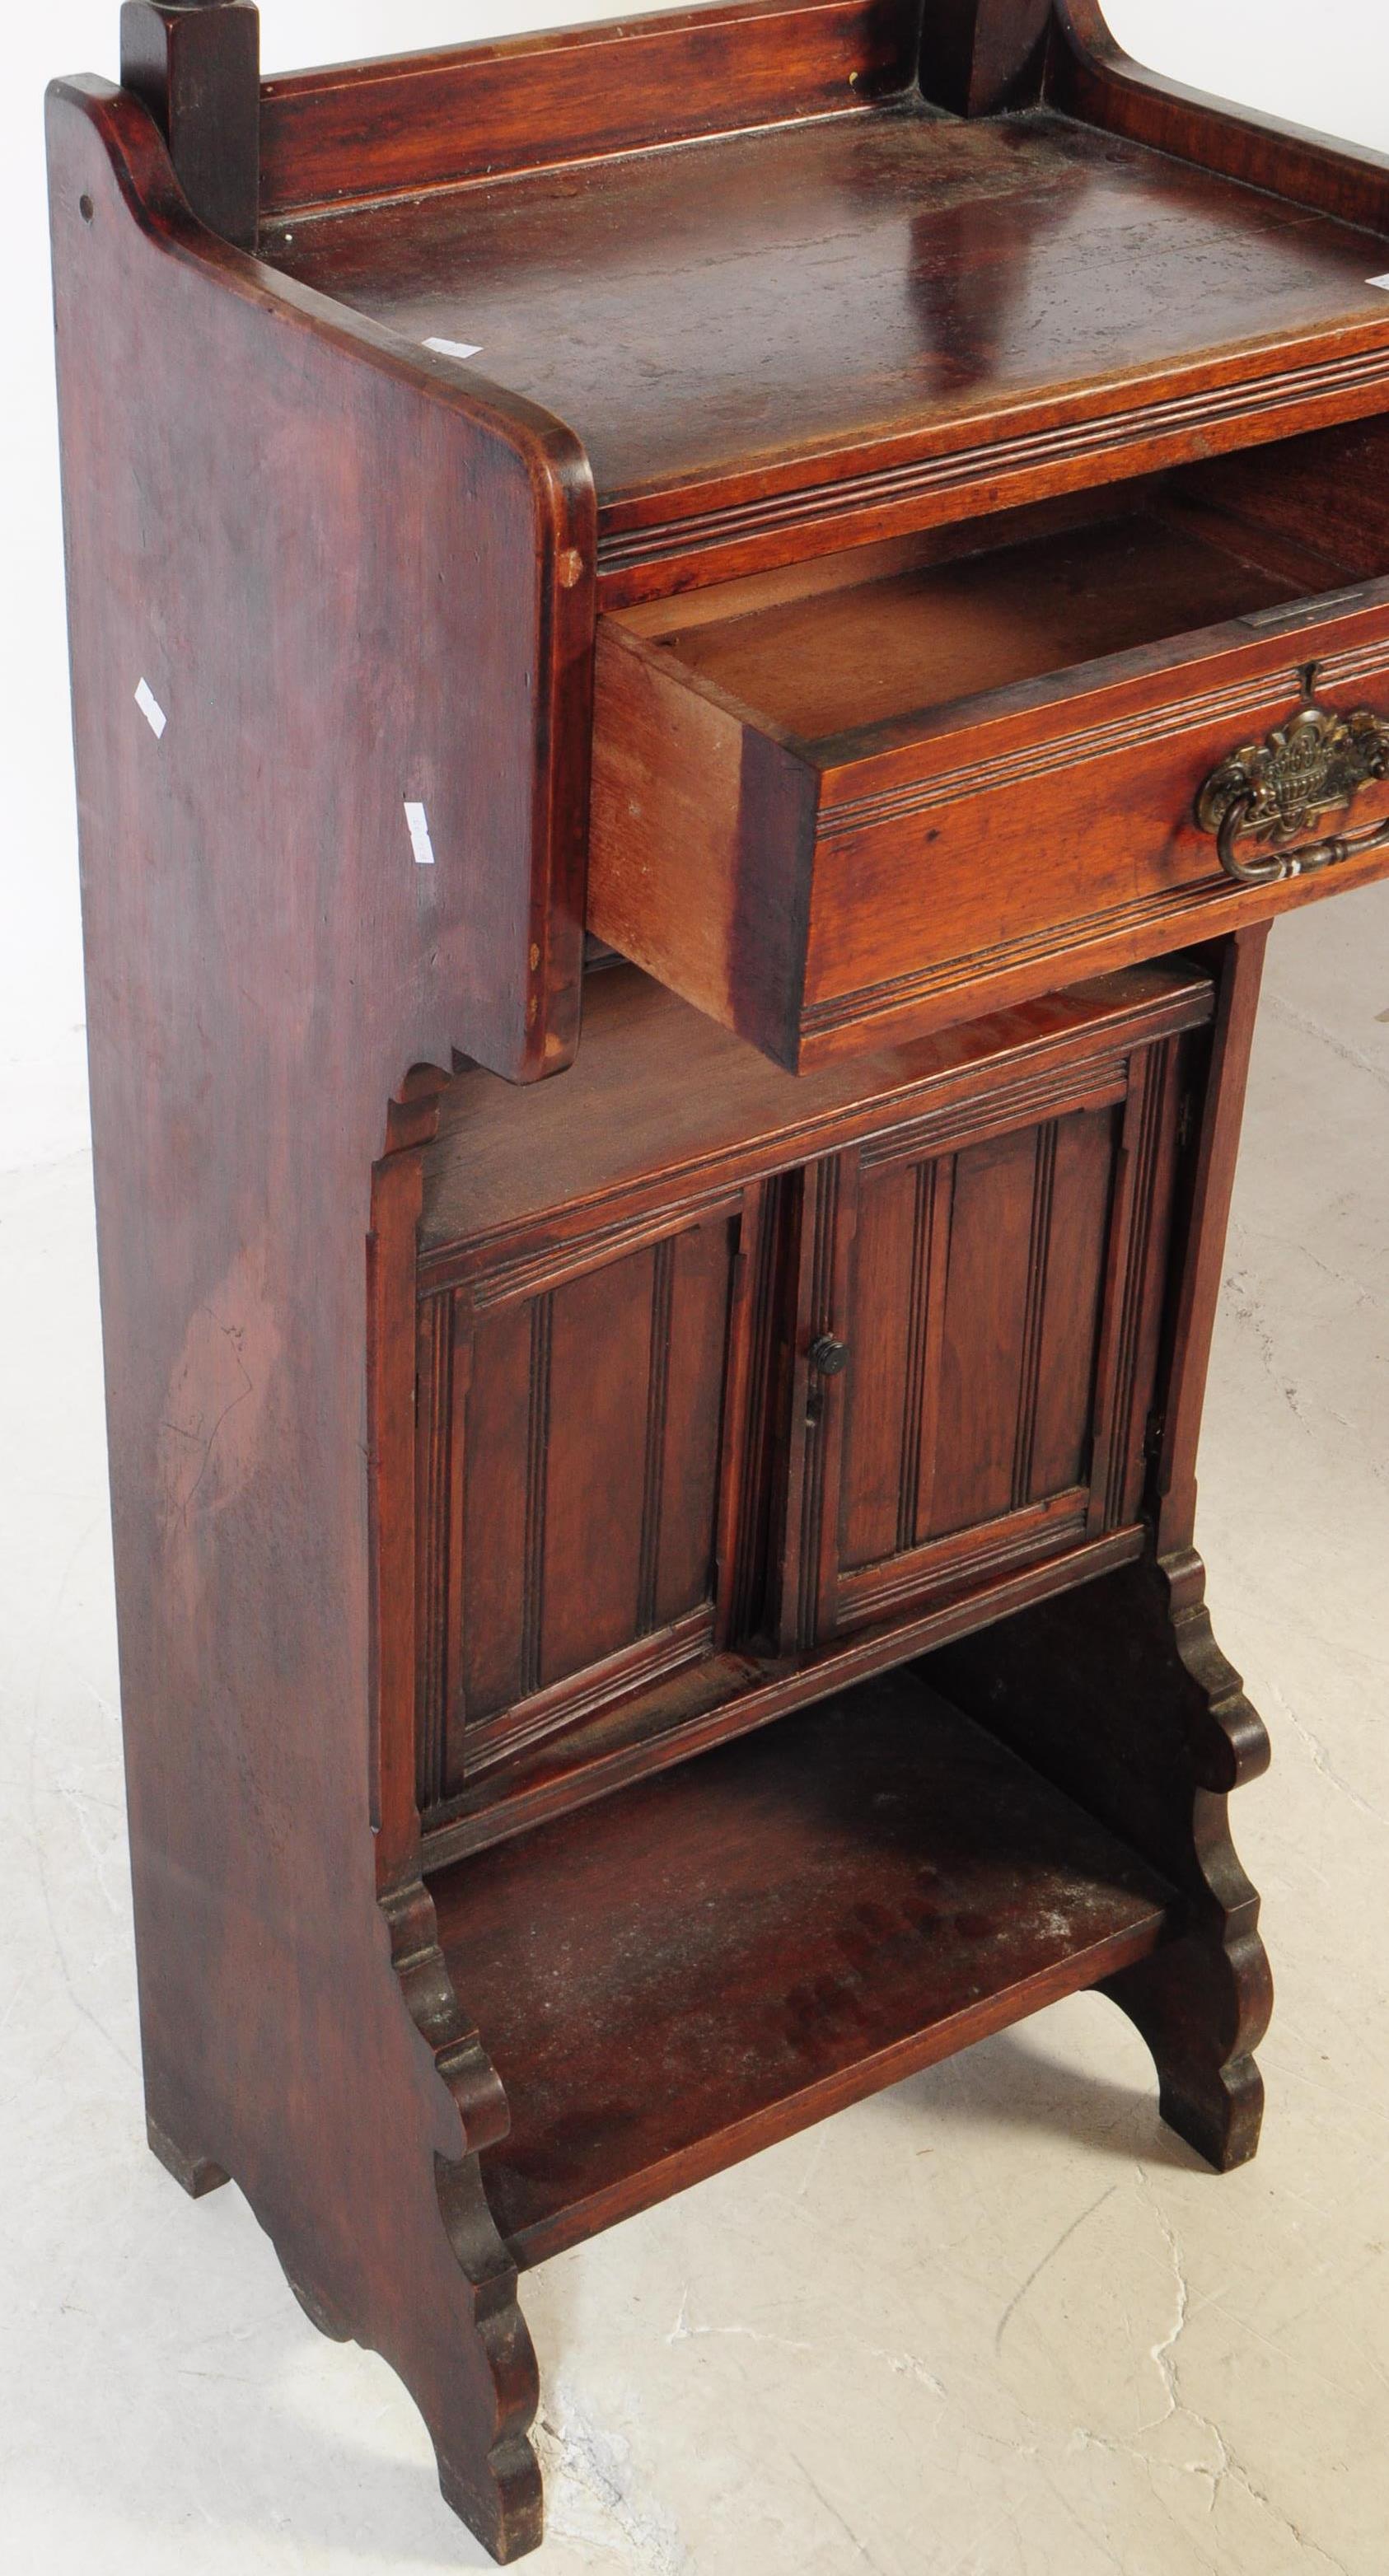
(195, 64)
(1119, 1694)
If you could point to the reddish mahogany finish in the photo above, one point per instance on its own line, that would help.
(716, 1958)
(197, 70)
(787, 796)
(957, 490)
(841, 1357)
(1002, 310)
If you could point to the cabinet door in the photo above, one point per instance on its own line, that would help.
(976, 1344)
(582, 1475)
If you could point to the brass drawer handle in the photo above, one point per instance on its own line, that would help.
(1272, 790)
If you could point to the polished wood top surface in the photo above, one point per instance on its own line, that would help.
(753, 298)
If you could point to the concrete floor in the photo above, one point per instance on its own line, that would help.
(994, 2323)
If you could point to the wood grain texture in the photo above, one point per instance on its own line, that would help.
(1004, 307)
(1003, 1324)
(891, 1400)
(1132, 1323)
(1089, 75)
(1060, 1446)
(1128, 1704)
(665, 1107)
(966, 1560)
(984, 769)
(1204, 1224)
(197, 70)
(677, 1491)
(433, 120)
(962, 485)
(584, 1463)
(265, 964)
(711, 1960)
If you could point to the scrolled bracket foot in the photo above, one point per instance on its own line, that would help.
(1203, 2007)
(509, 2518)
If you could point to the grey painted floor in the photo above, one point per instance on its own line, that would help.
(994, 2323)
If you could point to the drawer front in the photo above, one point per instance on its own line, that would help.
(1028, 849)
(820, 898)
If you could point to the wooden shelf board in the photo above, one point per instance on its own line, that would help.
(729, 306)
(659, 1090)
(714, 1958)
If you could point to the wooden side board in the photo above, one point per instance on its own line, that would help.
(426, 551)
(335, 585)
(1124, 1700)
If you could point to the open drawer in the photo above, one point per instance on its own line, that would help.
(860, 798)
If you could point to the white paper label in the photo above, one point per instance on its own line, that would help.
(455, 348)
(1381, 282)
(420, 841)
(151, 710)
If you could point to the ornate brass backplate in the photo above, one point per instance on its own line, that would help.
(1270, 791)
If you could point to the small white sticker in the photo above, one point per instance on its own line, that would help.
(1381, 282)
(420, 841)
(455, 348)
(151, 710)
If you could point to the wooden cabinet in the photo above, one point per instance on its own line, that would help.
(654, 1500)
(725, 1421)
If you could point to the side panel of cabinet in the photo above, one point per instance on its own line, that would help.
(1000, 1299)
(584, 1457)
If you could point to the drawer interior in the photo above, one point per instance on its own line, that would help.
(888, 634)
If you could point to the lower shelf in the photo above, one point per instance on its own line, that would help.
(714, 1958)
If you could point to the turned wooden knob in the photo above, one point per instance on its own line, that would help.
(827, 1356)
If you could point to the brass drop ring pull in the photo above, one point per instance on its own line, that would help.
(1263, 871)
(1269, 791)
